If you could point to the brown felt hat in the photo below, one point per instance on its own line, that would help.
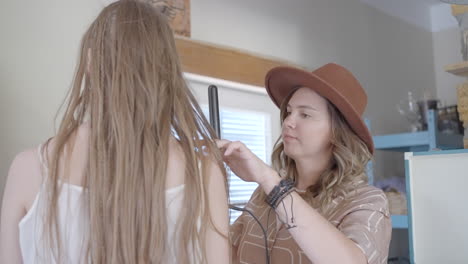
(331, 81)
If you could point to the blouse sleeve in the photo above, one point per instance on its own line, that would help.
(368, 224)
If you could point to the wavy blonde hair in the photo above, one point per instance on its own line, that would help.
(347, 167)
(129, 84)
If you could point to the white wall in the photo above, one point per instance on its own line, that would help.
(38, 50)
(389, 56)
(404, 62)
(307, 32)
(447, 50)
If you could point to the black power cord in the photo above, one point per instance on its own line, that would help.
(214, 121)
(258, 222)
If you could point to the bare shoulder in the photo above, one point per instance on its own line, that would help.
(26, 175)
(215, 167)
(27, 158)
(23, 183)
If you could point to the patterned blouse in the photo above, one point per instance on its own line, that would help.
(362, 215)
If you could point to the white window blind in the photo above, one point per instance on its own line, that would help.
(254, 130)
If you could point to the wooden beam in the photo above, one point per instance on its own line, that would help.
(225, 63)
(459, 9)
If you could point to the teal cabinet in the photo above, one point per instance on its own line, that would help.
(422, 141)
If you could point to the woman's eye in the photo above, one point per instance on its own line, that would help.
(305, 115)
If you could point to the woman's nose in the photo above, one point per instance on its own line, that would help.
(289, 122)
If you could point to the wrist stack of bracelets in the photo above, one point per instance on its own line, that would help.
(279, 192)
(277, 195)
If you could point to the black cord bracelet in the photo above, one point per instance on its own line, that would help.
(280, 199)
(277, 194)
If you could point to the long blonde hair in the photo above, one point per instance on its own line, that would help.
(347, 167)
(129, 84)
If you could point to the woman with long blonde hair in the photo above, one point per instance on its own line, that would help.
(133, 174)
(315, 203)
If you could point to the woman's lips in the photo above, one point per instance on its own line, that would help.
(287, 137)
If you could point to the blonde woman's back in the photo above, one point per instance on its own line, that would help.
(71, 214)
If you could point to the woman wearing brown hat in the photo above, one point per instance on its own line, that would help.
(315, 203)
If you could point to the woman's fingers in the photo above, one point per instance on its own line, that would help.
(221, 143)
(235, 146)
(229, 146)
(239, 158)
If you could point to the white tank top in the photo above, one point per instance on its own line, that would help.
(72, 222)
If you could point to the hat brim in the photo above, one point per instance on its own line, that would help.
(281, 81)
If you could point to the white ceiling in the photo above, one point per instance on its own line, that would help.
(432, 15)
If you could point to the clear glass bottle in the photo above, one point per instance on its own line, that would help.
(408, 107)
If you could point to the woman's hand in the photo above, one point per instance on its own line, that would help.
(243, 162)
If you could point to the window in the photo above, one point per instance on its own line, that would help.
(246, 114)
(254, 130)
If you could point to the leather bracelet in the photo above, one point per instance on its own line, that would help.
(286, 193)
(275, 199)
(284, 186)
